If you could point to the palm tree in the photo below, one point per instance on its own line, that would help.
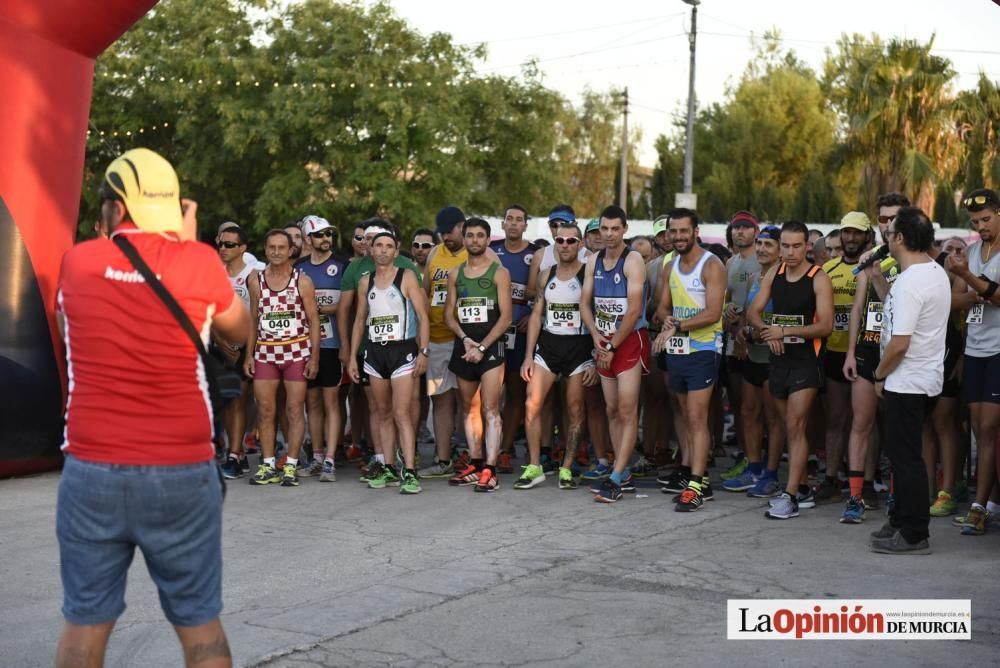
(978, 123)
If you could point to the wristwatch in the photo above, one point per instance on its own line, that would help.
(608, 347)
(426, 352)
(482, 348)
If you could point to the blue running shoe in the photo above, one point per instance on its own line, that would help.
(854, 511)
(628, 484)
(597, 472)
(609, 493)
(765, 488)
(741, 483)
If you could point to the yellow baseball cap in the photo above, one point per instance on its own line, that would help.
(856, 220)
(147, 184)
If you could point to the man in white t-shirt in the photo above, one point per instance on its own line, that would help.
(910, 375)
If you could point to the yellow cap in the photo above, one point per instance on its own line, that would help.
(856, 220)
(147, 185)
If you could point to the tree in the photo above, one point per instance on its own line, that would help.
(978, 122)
(894, 104)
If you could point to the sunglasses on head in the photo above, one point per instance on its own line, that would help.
(323, 233)
(567, 240)
(885, 220)
(228, 244)
(978, 199)
(423, 245)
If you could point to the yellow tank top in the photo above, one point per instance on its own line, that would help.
(687, 295)
(844, 284)
(441, 265)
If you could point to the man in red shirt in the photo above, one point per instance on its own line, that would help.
(140, 468)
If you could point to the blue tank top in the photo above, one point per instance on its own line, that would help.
(326, 279)
(518, 266)
(611, 296)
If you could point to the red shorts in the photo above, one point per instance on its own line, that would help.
(633, 350)
(290, 371)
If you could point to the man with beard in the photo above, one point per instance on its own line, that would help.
(863, 356)
(620, 339)
(979, 271)
(802, 299)
(516, 256)
(854, 235)
(478, 311)
(294, 231)
(322, 395)
(694, 288)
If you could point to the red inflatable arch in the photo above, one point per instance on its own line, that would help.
(47, 52)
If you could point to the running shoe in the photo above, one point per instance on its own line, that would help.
(488, 481)
(975, 521)
(854, 511)
(689, 501)
(311, 469)
(549, 465)
(643, 467)
(467, 476)
(736, 470)
(828, 491)
(289, 475)
(609, 492)
(388, 477)
(597, 472)
(943, 505)
(244, 465)
(265, 475)
(782, 507)
(231, 469)
(675, 483)
(741, 483)
(898, 545)
(870, 497)
(531, 476)
(460, 460)
(886, 531)
(438, 469)
(807, 498)
(411, 484)
(374, 471)
(505, 463)
(565, 479)
(628, 483)
(329, 472)
(765, 488)
(353, 453)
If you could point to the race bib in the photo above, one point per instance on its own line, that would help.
(607, 324)
(779, 320)
(385, 328)
(679, 344)
(518, 291)
(841, 317)
(564, 315)
(510, 338)
(325, 327)
(440, 295)
(472, 310)
(281, 324)
(873, 318)
(975, 316)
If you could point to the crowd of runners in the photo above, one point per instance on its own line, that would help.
(602, 357)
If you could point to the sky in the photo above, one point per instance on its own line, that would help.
(643, 44)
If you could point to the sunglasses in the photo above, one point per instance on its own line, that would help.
(423, 245)
(885, 220)
(572, 241)
(359, 237)
(228, 244)
(324, 233)
(978, 199)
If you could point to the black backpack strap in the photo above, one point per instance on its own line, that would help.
(153, 282)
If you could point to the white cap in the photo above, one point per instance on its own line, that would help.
(314, 224)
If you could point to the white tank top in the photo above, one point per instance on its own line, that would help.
(390, 314)
(562, 304)
(239, 283)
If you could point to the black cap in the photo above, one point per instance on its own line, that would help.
(448, 218)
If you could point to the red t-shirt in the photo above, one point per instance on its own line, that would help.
(137, 388)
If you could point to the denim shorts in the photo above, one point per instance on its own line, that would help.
(172, 513)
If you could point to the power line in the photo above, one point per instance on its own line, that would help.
(602, 26)
(588, 52)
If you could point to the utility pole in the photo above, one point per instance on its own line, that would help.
(689, 147)
(623, 174)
